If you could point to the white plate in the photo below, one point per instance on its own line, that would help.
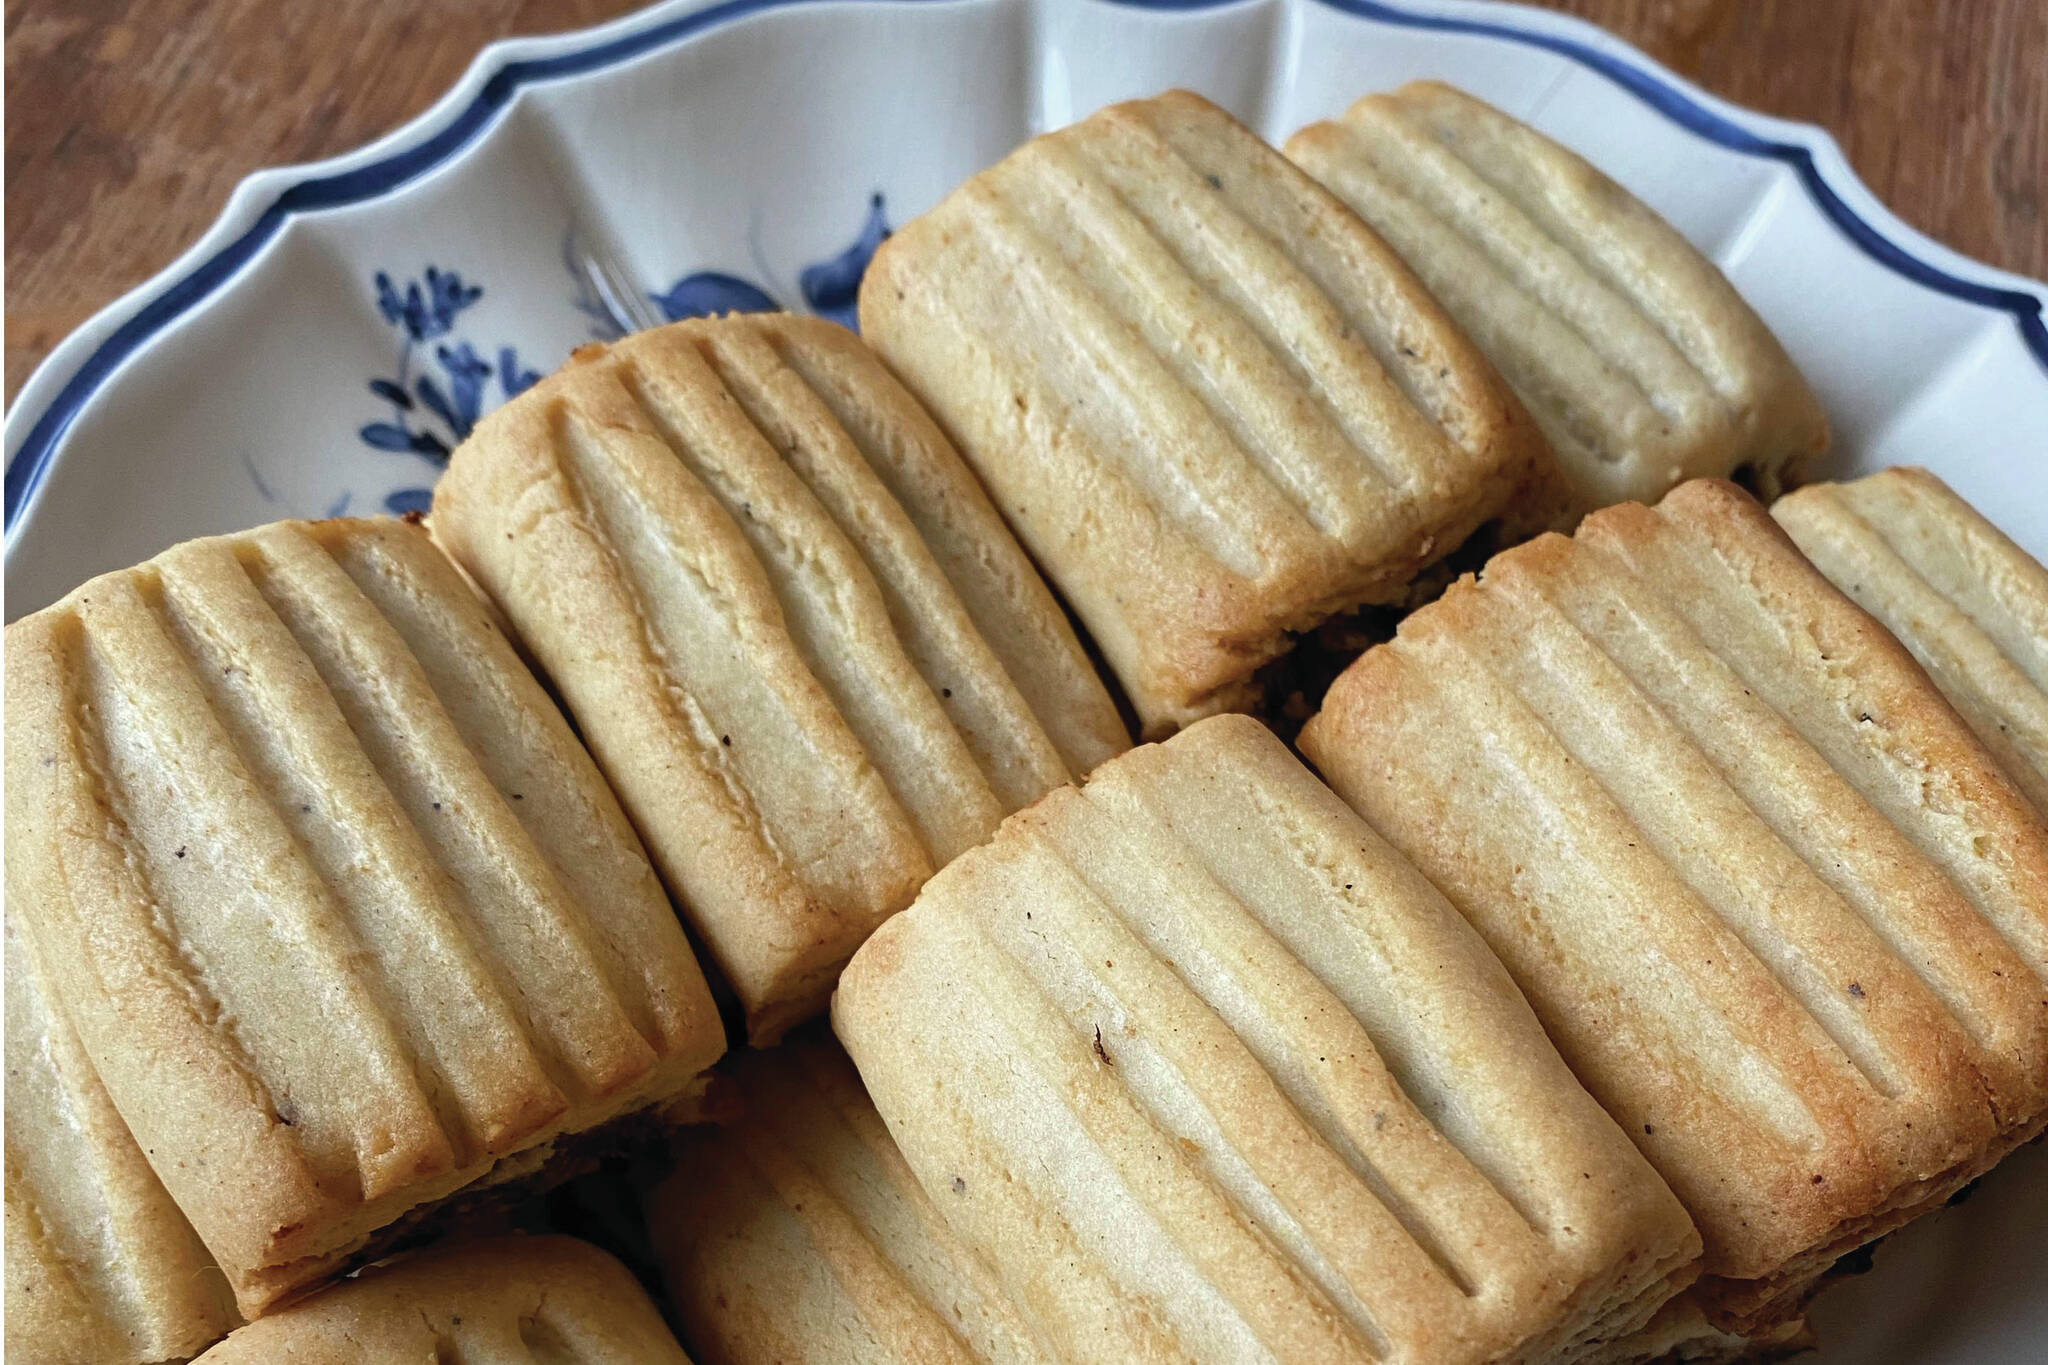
(703, 156)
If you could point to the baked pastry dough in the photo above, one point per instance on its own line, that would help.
(102, 1269)
(1771, 898)
(1213, 403)
(344, 916)
(504, 1301)
(1682, 1334)
(1207, 1072)
(1970, 604)
(1636, 356)
(792, 629)
(798, 1234)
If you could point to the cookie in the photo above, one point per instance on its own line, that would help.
(1206, 1071)
(344, 916)
(1213, 403)
(788, 623)
(1971, 605)
(1635, 355)
(1774, 902)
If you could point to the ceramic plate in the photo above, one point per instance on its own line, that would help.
(344, 324)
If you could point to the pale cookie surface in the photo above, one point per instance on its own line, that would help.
(102, 1269)
(1211, 400)
(1778, 908)
(798, 1236)
(788, 622)
(1207, 1072)
(505, 1301)
(1970, 604)
(343, 913)
(1635, 355)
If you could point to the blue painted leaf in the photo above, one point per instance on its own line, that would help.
(447, 295)
(513, 380)
(707, 293)
(469, 400)
(385, 436)
(388, 302)
(417, 324)
(466, 374)
(339, 507)
(391, 393)
(436, 401)
(428, 444)
(409, 500)
(832, 288)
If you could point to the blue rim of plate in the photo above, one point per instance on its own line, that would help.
(26, 470)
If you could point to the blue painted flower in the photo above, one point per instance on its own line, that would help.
(434, 407)
(431, 413)
(425, 312)
(708, 293)
(463, 403)
(513, 380)
(832, 288)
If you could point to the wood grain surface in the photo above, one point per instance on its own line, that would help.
(129, 121)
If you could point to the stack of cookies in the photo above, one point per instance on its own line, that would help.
(1673, 923)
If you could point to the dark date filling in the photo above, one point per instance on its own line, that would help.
(1292, 687)
(571, 1192)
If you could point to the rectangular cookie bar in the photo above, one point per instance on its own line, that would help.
(102, 1268)
(1970, 604)
(790, 626)
(797, 1235)
(1635, 355)
(501, 1301)
(344, 916)
(1775, 904)
(1213, 403)
(1207, 1072)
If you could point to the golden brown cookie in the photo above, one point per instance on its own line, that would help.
(504, 1301)
(344, 916)
(1213, 403)
(1207, 1072)
(102, 1268)
(788, 622)
(1632, 351)
(1773, 901)
(798, 1234)
(1970, 604)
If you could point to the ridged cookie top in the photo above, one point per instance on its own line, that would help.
(1970, 604)
(792, 629)
(1639, 360)
(102, 1269)
(341, 909)
(1209, 1073)
(505, 1301)
(1214, 404)
(798, 1234)
(1775, 904)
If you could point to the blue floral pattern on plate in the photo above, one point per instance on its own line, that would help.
(437, 396)
(832, 287)
(432, 412)
(709, 292)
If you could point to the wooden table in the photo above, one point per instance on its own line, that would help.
(129, 121)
